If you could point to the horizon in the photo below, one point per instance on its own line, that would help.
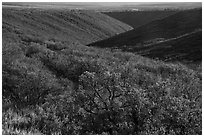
(107, 6)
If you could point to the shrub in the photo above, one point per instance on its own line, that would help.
(91, 91)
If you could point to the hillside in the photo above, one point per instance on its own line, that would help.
(71, 26)
(169, 27)
(52, 84)
(184, 48)
(64, 89)
(139, 18)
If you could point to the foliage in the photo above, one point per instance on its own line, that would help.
(82, 90)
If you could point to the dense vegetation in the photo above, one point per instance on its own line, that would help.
(139, 18)
(51, 86)
(81, 90)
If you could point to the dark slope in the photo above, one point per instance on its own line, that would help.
(169, 27)
(139, 18)
(71, 26)
(185, 48)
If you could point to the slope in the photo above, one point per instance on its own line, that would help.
(169, 27)
(184, 48)
(65, 25)
(139, 18)
(75, 89)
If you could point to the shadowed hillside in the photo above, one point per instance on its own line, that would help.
(169, 27)
(66, 25)
(139, 18)
(184, 48)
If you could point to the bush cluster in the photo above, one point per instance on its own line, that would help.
(85, 90)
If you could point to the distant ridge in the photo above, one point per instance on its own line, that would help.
(139, 18)
(169, 27)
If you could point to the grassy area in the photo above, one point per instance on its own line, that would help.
(72, 26)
